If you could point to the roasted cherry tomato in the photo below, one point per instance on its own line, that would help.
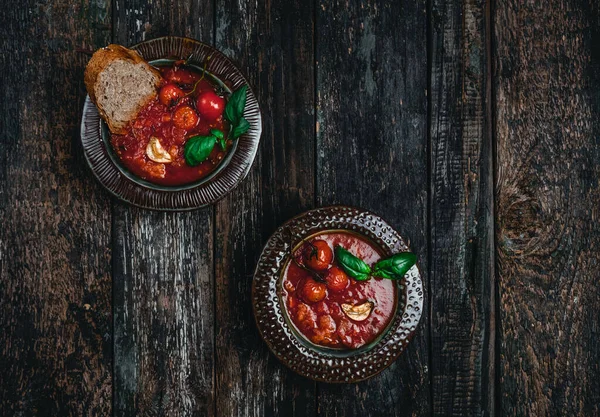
(313, 291)
(185, 118)
(170, 94)
(210, 105)
(336, 279)
(180, 76)
(318, 255)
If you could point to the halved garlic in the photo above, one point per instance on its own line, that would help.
(358, 312)
(156, 152)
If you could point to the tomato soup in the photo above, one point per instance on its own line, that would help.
(329, 307)
(187, 104)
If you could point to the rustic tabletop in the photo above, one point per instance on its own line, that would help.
(472, 127)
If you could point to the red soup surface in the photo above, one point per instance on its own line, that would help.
(314, 305)
(179, 112)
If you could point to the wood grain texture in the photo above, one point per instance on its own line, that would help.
(462, 225)
(55, 290)
(273, 45)
(372, 152)
(163, 267)
(163, 313)
(547, 84)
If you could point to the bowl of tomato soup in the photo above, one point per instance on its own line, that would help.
(192, 144)
(190, 103)
(315, 289)
(325, 297)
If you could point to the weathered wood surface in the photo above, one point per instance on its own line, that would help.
(547, 87)
(55, 283)
(163, 274)
(386, 105)
(273, 45)
(462, 225)
(372, 152)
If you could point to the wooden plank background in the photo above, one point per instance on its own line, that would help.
(547, 85)
(472, 126)
(55, 240)
(461, 210)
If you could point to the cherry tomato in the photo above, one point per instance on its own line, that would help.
(336, 279)
(180, 76)
(318, 255)
(185, 118)
(210, 105)
(313, 291)
(170, 94)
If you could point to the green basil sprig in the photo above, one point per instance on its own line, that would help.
(220, 137)
(234, 111)
(396, 266)
(352, 265)
(198, 148)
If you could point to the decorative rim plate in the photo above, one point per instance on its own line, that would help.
(303, 357)
(116, 179)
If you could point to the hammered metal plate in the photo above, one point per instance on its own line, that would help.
(305, 358)
(139, 193)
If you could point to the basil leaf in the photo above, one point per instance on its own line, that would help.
(396, 266)
(198, 148)
(382, 274)
(352, 265)
(235, 106)
(217, 133)
(240, 129)
(220, 136)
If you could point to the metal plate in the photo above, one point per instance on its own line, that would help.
(310, 360)
(116, 179)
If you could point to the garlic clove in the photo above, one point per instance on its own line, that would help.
(156, 152)
(358, 312)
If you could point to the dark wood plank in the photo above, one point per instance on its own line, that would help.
(163, 268)
(462, 225)
(547, 87)
(273, 44)
(55, 303)
(163, 313)
(372, 152)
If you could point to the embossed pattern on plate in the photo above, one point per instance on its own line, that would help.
(185, 197)
(310, 360)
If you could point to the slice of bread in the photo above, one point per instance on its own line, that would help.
(120, 83)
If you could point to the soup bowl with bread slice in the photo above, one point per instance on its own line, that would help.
(168, 124)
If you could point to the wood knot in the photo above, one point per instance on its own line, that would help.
(527, 232)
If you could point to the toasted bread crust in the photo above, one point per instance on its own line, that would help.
(100, 60)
